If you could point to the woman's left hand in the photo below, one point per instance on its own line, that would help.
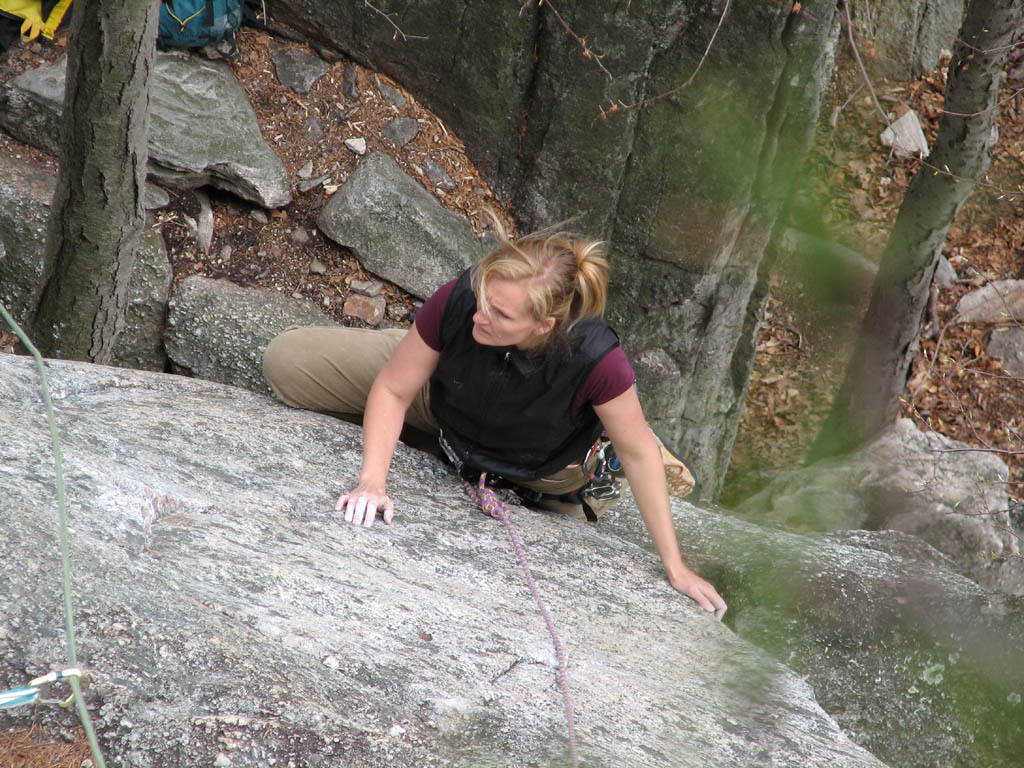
(701, 591)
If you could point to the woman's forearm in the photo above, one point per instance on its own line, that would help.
(646, 477)
(382, 425)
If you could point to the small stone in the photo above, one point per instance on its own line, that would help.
(331, 662)
(396, 731)
(357, 145)
(350, 83)
(225, 254)
(221, 761)
(945, 275)
(391, 95)
(369, 288)
(401, 131)
(437, 175)
(260, 216)
(306, 171)
(298, 68)
(300, 236)
(369, 310)
(317, 267)
(306, 186)
(906, 137)
(398, 312)
(315, 130)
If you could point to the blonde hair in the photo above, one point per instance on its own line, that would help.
(565, 276)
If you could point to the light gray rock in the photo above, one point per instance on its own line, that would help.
(905, 137)
(202, 124)
(221, 602)
(1007, 344)
(298, 68)
(1000, 301)
(202, 127)
(915, 662)
(397, 229)
(911, 481)
(218, 330)
(140, 344)
(25, 195)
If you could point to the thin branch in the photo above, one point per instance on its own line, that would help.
(985, 111)
(1000, 451)
(398, 31)
(1011, 46)
(587, 52)
(860, 63)
(620, 107)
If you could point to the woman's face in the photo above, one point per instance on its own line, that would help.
(509, 323)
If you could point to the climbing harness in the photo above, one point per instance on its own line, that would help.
(33, 692)
(484, 495)
(69, 628)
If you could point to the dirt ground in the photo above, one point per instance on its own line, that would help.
(955, 387)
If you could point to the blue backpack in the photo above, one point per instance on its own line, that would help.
(195, 23)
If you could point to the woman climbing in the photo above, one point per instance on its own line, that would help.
(513, 367)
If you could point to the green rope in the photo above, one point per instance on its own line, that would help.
(83, 712)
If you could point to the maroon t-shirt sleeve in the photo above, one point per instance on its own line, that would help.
(431, 315)
(612, 376)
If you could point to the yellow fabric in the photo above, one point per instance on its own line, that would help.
(32, 13)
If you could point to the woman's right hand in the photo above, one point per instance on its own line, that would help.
(362, 503)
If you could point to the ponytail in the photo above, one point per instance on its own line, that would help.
(565, 276)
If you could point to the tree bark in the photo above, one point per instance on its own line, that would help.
(98, 213)
(868, 399)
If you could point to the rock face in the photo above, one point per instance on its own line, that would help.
(397, 229)
(218, 330)
(202, 127)
(911, 481)
(229, 618)
(916, 663)
(907, 36)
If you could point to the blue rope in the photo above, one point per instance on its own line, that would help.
(69, 628)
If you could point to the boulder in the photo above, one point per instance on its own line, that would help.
(229, 617)
(202, 128)
(25, 195)
(397, 229)
(218, 330)
(907, 480)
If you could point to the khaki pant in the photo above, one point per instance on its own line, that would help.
(331, 370)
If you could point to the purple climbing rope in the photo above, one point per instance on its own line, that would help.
(492, 506)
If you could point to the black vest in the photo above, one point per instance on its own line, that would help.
(508, 412)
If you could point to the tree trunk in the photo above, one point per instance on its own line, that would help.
(98, 214)
(868, 399)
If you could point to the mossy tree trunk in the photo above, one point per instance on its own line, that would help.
(98, 213)
(868, 399)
